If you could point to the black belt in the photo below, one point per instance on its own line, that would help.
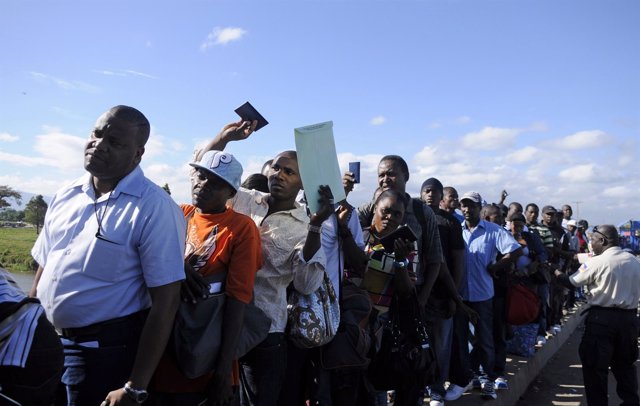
(96, 328)
(608, 309)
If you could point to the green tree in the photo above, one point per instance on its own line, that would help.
(166, 188)
(11, 215)
(34, 212)
(7, 192)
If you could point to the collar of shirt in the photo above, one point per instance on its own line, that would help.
(481, 224)
(132, 184)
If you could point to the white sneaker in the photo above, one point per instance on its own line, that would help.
(541, 340)
(454, 392)
(488, 391)
(501, 383)
(436, 400)
(556, 329)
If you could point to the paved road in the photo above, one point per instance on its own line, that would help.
(560, 382)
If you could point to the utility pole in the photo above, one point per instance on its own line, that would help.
(577, 203)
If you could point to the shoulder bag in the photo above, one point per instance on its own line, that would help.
(197, 331)
(313, 319)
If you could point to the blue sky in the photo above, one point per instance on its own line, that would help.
(541, 98)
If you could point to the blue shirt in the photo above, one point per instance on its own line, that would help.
(85, 279)
(482, 247)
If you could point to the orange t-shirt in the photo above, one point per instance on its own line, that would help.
(227, 241)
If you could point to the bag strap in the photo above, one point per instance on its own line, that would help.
(419, 212)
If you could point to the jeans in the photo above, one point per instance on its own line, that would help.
(483, 349)
(499, 334)
(441, 336)
(100, 361)
(460, 367)
(262, 372)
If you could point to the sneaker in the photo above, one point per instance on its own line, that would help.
(454, 392)
(436, 400)
(556, 329)
(476, 382)
(488, 392)
(501, 383)
(541, 340)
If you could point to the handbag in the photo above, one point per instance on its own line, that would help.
(405, 347)
(313, 319)
(197, 331)
(522, 304)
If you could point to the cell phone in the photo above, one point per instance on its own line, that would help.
(354, 167)
(249, 113)
(404, 231)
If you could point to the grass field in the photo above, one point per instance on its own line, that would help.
(15, 249)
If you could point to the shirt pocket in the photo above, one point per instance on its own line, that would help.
(104, 261)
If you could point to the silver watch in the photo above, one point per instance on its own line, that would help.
(137, 395)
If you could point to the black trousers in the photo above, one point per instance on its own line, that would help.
(610, 340)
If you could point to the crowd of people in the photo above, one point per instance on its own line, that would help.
(117, 258)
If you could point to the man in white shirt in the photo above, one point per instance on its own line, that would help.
(610, 339)
(110, 257)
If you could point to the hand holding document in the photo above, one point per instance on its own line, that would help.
(318, 162)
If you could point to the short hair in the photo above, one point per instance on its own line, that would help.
(404, 168)
(256, 181)
(135, 118)
(535, 206)
(392, 193)
(610, 232)
(266, 165)
(447, 190)
(290, 153)
(515, 204)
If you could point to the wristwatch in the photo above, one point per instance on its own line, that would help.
(401, 264)
(137, 395)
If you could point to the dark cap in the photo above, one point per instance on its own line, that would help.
(548, 209)
(432, 183)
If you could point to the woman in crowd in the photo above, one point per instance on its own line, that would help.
(391, 274)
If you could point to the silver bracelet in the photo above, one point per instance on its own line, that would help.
(314, 229)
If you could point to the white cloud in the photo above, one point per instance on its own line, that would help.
(578, 173)
(64, 84)
(491, 138)
(538, 126)
(124, 73)
(141, 74)
(378, 120)
(463, 120)
(584, 139)
(617, 192)
(222, 36)
(522, 155)
(6, 137)
(56, 149)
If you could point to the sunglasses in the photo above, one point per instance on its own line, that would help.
(595, 230)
